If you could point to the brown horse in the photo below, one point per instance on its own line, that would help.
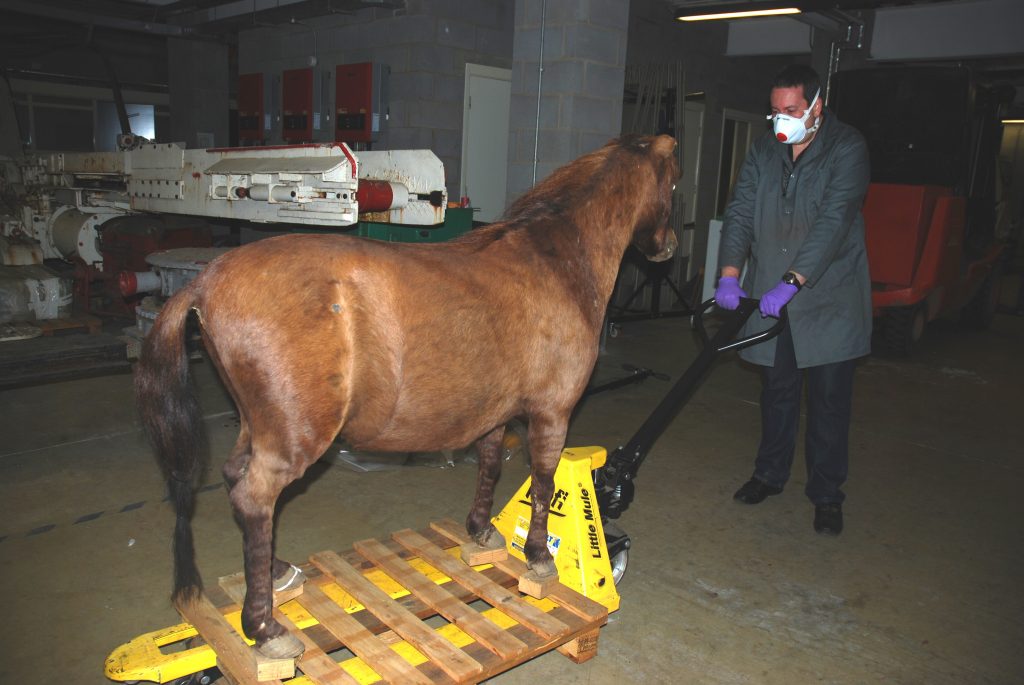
(401, 347)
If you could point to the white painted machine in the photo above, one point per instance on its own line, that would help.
(59, 206)
(67, 197)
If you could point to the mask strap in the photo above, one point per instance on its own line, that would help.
(817, 120)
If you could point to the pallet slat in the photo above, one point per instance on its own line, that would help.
(315, 664)
(360, 641)
(449, 658)
(231, 650)
(419, 569)
(443, 602)
(497, 596)
(583, 607)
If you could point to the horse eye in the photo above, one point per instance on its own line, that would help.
(673, 187)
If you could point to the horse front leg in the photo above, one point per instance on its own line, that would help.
(546, 439)
(254, 510)
(478, 523)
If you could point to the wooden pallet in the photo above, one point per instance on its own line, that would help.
(349, 606)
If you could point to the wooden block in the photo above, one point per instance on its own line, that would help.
(475, 555)
(287, 595)
(583, 648)
(313, 662)
(273, 669)
(536, 586)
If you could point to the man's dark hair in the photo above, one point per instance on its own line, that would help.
(798, 75)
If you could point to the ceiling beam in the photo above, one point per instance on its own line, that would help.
(92, 19)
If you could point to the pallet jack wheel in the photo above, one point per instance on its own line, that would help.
(618, 544)
(903, 327)
(201, 678)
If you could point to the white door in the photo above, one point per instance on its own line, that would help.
(485, 139)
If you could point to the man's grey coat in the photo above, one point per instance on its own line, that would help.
(805, 218)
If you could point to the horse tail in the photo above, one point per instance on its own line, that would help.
(172, 419)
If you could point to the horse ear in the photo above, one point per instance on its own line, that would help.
(664, 145)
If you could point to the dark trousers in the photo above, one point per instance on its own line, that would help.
(829, 396)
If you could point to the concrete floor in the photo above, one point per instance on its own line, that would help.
(922, 587)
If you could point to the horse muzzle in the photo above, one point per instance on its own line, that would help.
(668, 251)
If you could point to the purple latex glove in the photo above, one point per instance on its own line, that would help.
(728, 293)
(775, 299)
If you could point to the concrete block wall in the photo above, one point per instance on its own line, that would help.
(580, 87)
(427, 46)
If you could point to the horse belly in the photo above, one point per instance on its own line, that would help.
(434, 423)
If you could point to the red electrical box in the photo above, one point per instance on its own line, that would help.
(353, 102)
(250, 109)
(297, 101)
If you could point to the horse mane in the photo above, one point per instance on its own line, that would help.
(565, 189)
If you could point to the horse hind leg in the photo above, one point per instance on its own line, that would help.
(253, 497)
(478, 523)
(546, 439)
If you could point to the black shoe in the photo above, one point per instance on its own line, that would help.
(755, 491)
(828, 518)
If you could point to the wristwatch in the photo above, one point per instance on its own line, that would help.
(790, 278)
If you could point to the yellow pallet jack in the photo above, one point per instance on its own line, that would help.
(590, 550)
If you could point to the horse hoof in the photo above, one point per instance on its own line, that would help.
(543, 569)
(490, 539)
(285, 646)
(292, 578)
(540, 580)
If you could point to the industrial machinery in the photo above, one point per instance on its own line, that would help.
(104, 212)
(930, 212)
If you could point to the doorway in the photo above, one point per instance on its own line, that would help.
(485, 120)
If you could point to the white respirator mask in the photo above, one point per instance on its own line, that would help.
(791, 130)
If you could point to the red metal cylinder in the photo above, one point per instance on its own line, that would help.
(127, 283)
(375, 196)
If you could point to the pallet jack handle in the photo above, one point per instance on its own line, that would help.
(614, 481)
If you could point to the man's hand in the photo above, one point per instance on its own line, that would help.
(728, 293)
(775, 299)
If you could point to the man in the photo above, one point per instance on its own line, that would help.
(795, 214)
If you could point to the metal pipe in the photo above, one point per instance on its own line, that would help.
(540, 81)
(275, 193)
(115, 87)
(134, 282)
(378, 196)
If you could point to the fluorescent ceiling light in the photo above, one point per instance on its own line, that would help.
(681, 15)
(1013, 121)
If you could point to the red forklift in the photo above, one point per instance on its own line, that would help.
(933, 134)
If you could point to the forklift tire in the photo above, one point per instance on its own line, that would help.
(979, 312)
(903, 327)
